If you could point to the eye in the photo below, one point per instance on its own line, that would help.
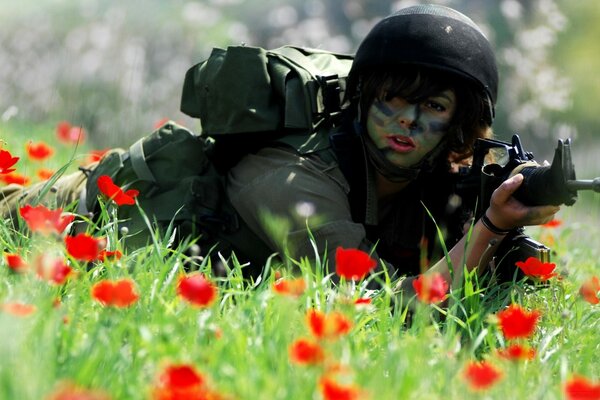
(434, 105)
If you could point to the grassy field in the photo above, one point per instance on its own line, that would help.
(161, 339)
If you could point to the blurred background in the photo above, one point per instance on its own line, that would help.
(116, 67)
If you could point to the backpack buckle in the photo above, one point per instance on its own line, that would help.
(330, 94)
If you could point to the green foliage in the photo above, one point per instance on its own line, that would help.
(580, 62)
(394, 350)
(242, 342)
(117, 67)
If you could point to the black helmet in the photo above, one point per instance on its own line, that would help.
(433, 36)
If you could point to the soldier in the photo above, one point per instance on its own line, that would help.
(422, 89)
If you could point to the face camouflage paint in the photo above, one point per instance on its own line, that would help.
(405, 132)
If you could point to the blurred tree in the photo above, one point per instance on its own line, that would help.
(117, 67)
(534, 92)
(113, 67)
(577, 56)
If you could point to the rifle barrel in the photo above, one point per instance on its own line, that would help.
(586, 184)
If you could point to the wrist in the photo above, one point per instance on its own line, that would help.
(492, 227)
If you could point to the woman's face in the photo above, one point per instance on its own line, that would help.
(405, 132)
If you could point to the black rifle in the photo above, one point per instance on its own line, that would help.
(553, 184)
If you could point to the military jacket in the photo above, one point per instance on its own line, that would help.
(288, 196)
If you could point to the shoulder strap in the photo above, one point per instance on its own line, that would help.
(327, 84)
(138, 162)
(298, 58)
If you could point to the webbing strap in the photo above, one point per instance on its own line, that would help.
(316, 95)
(138, 162)
(298, 58)
(326, 94)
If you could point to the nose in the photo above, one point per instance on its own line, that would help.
(409, 116)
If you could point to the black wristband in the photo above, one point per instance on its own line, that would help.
(491, 227)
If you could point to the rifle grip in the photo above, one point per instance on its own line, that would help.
(490, 180)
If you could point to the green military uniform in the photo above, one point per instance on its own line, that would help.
(298, 188)
(280, 182)
(344, 205)
(296, 92)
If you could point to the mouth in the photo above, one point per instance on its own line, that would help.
(400, 144)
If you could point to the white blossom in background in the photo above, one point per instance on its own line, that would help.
(532, 86)
(117, 69)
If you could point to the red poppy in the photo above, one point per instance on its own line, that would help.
(183, 382)
(336, 368)
(15, 262)
(328, 326)
(517, 322)
(481, 375)
(70, 391)
(218, 332)
(306, 351)
(115, 193)
(6, 162)
(362, 301)
(62, 130)
(14, 177)
(553, 224)
(517, 352)
(18, 309)
(96, 155)
(352, 263)
(109, 255)
(581, 388)
(332, 390)
(430, 288)
(67, 133)
(181, 375)
(42, 220)
(161, 122)
(290, 287)
(52, 269)
(38, 151)
(119, 293)
(197, 290)
(83, 247)
(534, 268)
(589, 290)
(44, 174)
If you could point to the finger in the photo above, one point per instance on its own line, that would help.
(547, 211)
(541, 214)
(540, 221)
(508, 187)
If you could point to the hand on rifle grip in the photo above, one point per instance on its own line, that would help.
(506, 212)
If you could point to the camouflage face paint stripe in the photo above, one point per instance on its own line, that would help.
(405, 132)
(388, 112)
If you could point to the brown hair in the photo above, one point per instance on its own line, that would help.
(416, 84)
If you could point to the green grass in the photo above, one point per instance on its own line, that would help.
(241, 342)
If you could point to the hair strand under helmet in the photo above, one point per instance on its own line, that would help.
(436, 37)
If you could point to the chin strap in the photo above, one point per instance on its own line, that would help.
(395, 173)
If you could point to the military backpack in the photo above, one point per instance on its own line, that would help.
(244, 97)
